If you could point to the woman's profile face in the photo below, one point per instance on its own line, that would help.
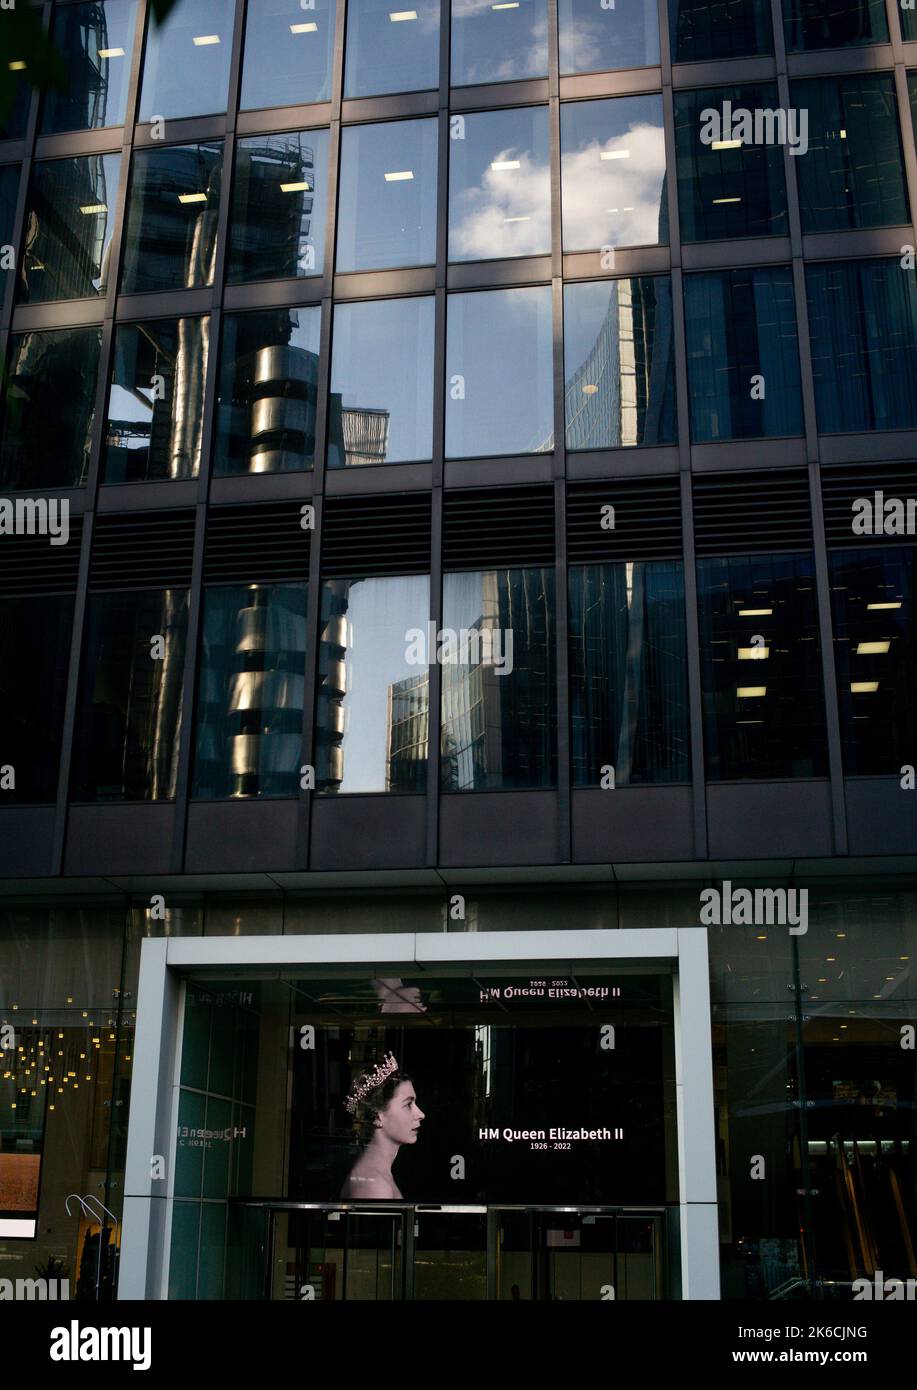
(400, 1120)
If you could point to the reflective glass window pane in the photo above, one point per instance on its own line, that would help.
(251, 680)
(391, 50)
(288, 52)
(728, 185)
(593, 39)
(699, 30)
(741, 325)
(68, 228)
(875, 656)
(186, 62)
(49, 408)
(833, 23)
(279, 199)
(156, 400)
(499, 383)
(908, 23)
(381, 407)
(129, 715)
(170, 238)
(499, 696)
(628, 673)
(387, 196)
(265, 414)
(852, 174)
(34, 654)
(13, 128)
(619, 363)
(97, 42)
(763, 714)
(372, 710)
(498, 43)
(613, 176)
(9, 192)
(863, 331)
(500, 185)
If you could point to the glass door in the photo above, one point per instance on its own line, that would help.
(322, 1255)
(588, 1256)
(450, 1253)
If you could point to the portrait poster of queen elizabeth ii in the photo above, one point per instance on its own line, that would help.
(386, 1115)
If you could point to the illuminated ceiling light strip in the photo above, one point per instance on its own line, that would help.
(751, 692)
(755, 612)
(192, 197)
(500, 165)
(17, 65)
(202, 40)
(399, 175)
(864, 687)
(309, 28)
(872, 648)
(506, 5)
(94, 207)
(718, 201)
(399, 16)
(517, 219)
(726, 144)
(754, 653)
(874, 607)
(590, 389)
(296, 187)
(614, 154)
(111, 52)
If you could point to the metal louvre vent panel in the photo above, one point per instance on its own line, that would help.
(749, 513)
(32, 565)
(647, 520)
(842, 486)
(376, 536)
(152, 549)
(251, 544)
(483, 527)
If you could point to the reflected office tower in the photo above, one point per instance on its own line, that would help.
(407, 725)
(163, 697)
(264, 696)
(332, 675)
(88, 101)
(284, 391)
(619, 395)
(275, 179)
(66, 257)
(357, 435)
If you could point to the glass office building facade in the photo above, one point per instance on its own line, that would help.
(454, 516)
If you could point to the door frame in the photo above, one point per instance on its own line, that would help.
(166, 962)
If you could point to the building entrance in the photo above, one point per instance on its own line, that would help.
(429, 1253)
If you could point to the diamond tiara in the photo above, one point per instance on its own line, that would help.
(370, 1081)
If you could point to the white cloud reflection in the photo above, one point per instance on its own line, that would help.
(614, 202)
(507, 214)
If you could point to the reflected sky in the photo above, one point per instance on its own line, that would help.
(613, 173)
(387, 195)
(186, 64)
(379, 614)
(498, 354)
(382, 382)
(287, 60)
(498, 42)
(391, 49)
(593, 39)
(500, 186)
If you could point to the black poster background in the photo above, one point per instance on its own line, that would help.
(519, 1064)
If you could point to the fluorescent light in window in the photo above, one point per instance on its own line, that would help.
(517, 219)
(754, 653)
(864, 687)
(399, 16)
(843, 135)
(201, 40)
(717, 201)
(399, 175)
(590, 389)
(192, 197)
(872, 648)
(507, 5)
(17, 65)
(615, 154)
(94, 207)
(627, 209)
(751, 692)
(726, 144)
(502, 164)
(755, 612)
(875, 606)
(303, 187)
(309, 28)
(111, 52)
